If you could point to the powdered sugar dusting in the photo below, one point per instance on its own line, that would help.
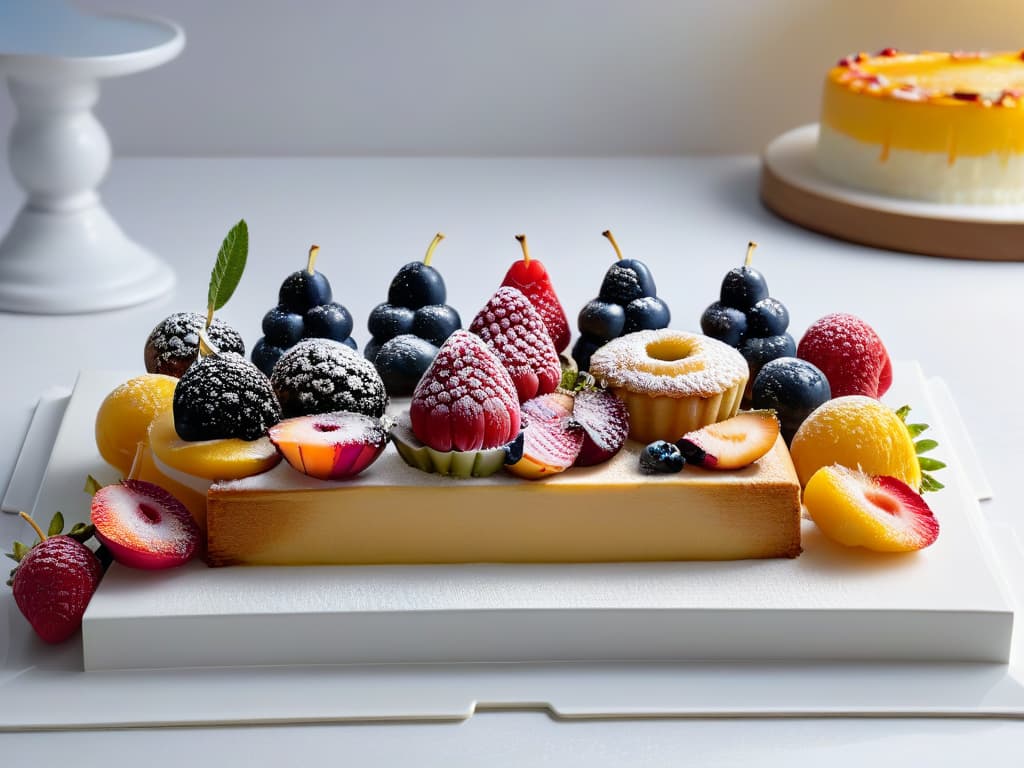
(321, 375)
(515, 330)
(639, 362)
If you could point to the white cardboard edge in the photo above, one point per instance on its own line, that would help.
(27, 475)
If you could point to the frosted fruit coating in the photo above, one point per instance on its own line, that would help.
(123, 418)
(514, 329)
(856, 432)
(465, 400)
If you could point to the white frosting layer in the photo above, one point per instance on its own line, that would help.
(990, 179)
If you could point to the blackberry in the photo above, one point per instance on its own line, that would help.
(174, 344)
(224, 396)
(321, 376)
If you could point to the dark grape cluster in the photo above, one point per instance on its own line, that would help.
(305, 310)
(747, 318)
(627, 302)
(411, 325)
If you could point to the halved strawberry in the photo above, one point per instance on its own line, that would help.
(465, 400)
(530, 277)
(605, 422)
(881, 513)
(330, 446)
(143, 525)
(551, 441)
(732, 443)
(511, 326)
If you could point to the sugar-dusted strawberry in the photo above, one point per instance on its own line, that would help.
(511, 326)
(605, 422)
(465, 400)
(143, 526)
(551, 440)
(54, 582)
(879, 513)
(530, 277)
(732, 443)
(849, 353)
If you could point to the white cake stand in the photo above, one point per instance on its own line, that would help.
(64, 252)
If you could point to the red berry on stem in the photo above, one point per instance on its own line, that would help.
(530, 277)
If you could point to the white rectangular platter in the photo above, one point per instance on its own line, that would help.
(441, 614)
(943, 604)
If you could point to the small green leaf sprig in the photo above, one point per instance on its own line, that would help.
(224, 278)
(921, 447)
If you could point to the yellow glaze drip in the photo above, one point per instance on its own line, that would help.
(956, 104)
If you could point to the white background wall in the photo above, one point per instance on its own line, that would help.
(516, 77)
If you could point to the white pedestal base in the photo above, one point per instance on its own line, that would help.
(79, 261)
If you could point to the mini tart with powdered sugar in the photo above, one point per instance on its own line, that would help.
(943, 127)
(672, 382)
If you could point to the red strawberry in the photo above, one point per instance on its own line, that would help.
(530, 277)
(511, 326)
(465, 400)
(54, 583)
(143, 525)
(849, 353)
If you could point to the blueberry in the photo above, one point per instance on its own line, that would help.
(743, 287)
(303, 290)
(328, 321)
(389, 320)
(727, 324)
(647, 313)
(585, 346)
(759, 350)
(282, 328)
(371, 349)
(661, 457)
(416, 285)
(435, 323)
(792, 388)
(625, 280)
(265, 355)
(602, 319)
(350, 343)
(402, 361)
(768, 317)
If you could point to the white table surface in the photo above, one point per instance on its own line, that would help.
(689, 219)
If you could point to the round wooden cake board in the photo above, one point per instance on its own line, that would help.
(793, 188)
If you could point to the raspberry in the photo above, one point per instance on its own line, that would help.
(514, 329)
(849, 353)
(466, 399)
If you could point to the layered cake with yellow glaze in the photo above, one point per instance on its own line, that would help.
(942, 127)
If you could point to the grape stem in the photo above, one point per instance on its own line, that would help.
(206, 347)
(750, 253)
(611, 238)
(35, 526)
(430, 248)
(526, 250)
(314, 251)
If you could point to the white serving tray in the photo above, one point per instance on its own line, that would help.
(43, 687)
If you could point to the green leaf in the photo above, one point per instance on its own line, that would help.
(916, 429)
(82, 532)
(227, 271)
(56, 524)
(18, 551)
(903, 411)
(930, 465)
(923, 446)
(91, 485)
(929, 483)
